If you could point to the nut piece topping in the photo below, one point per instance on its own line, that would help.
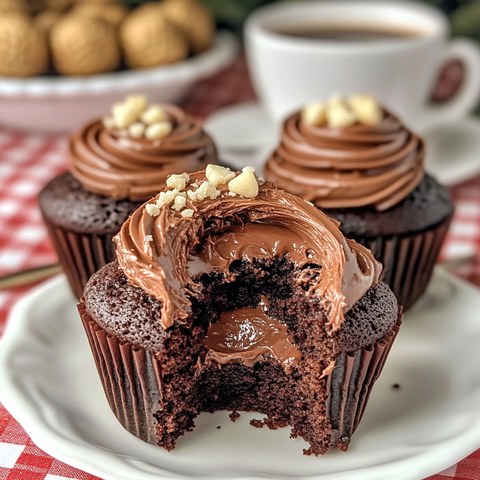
(153, 114)
(315, 114)
(187, 213)
(338, 112)
(340, 117)
(178, 181)
(245, 184)
(366, 109)
(152, 209)
(138, 119)
(179, 202)
(219, 175)
(206, 189)
(158, 130)
(136, 130)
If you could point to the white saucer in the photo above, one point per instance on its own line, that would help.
(245, 136)
(49, 384)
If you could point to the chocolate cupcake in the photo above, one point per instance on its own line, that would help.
(362, 166)
(233, 295)
(117, 164)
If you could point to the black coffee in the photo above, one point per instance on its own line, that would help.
(339, 33)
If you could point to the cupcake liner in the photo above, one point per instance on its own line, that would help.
(81, 255)
(408, 260)
(131, 379)
(350, 384)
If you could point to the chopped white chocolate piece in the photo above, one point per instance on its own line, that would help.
(179, 203)
(137, 102)
(192, 195)
(366, 109)
(231, 194)
(335, 100)
(186, 176)
(116, 107)
(315, 114)
(152, 209)
(154, 114)
(195, 185)
(136, 130)
(108, 122)
(245, 184)
(124, 116)
(340, 117)
(148, 238)
(158, 130)
(206, 189)
(165, 198)
(187, 213)
(176, 181)
(219, 175)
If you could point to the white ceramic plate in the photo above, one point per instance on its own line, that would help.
(49, 383)
(63, 104)
(246, 136)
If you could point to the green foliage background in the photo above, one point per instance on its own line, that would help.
(464, 14)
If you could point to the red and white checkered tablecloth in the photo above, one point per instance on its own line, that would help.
(27, 162)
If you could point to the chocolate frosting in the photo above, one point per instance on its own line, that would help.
(111, 163)
(247, 335)
(360, 165)
(163, 254)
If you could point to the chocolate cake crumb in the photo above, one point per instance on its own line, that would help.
(257, 423)
(234, 416)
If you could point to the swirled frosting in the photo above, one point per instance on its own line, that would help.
(164, 254)
(111, 163)
(360, 165)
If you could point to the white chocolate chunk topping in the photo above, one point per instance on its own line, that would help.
(153, 114)
(245, 184)
(219, 175)
(339, 112)
(139, 119)
(158, 130)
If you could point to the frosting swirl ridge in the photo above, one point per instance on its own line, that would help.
(110, 163)
(164, 254)
(355, 166)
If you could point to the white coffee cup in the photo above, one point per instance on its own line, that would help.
(289, 71)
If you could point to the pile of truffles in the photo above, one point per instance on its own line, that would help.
(87, 37)
(339, 112)
(182, 195)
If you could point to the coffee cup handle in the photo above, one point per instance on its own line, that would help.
(467, 98)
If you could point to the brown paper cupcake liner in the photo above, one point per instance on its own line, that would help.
(81, 255)
(350, 384)
(131, 379)
(408, 260)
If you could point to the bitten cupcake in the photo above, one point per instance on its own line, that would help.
(229, 294)
(362, 166)
(116, 164)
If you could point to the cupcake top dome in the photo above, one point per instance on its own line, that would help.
(204, 222)
(347, 152)
(130, 153)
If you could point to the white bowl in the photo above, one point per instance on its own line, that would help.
(62, 104)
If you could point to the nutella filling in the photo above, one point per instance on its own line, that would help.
(248, 241)
(163, 254)
(248, 335)
(109, 162)
(355, 166)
